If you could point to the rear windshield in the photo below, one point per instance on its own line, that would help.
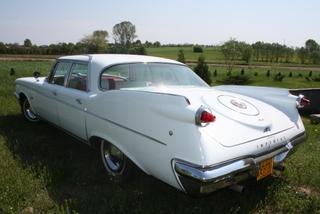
(148, 74)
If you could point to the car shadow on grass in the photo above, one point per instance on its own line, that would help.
(72, 171)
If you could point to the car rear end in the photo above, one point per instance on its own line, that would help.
(242, 138)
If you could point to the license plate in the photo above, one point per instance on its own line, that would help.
(266, 168)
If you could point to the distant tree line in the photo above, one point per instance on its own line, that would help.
(234, 50)
(124, 35)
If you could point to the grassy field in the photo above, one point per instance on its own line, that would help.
(299, 78)
(212, 55)
(43, 168)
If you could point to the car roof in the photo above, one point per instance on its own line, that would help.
(110, 59)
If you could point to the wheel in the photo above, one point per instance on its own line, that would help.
(27, 111)
(115, 162)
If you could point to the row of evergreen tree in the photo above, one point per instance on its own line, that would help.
(124, 35)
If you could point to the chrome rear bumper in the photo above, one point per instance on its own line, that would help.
(196, 179)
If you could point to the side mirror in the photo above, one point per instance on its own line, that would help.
(36, 74)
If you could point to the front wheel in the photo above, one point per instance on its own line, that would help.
(27, 111)
(116, 163)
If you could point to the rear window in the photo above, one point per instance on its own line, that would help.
(148, 74)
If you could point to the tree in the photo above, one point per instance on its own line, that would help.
(181, 57)
(257, 49)
(27, 43)
(246, 52)
(3, 48)
(268, 73)
(137, 49)
(97, 42)
(157, 44)
(202, 69)
(231, 52)
(311, 45)
(138, 42)
(215, 73)
(124, 33)
(148, 44)
(313, 51)
(197, 49)
(302, 54)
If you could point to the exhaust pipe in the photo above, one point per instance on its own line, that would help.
(237, 188)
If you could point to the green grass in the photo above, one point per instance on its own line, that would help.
(212, 55)
(262, 80)
(43, 168)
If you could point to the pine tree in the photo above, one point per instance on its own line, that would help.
(181, 57)
(202, 69)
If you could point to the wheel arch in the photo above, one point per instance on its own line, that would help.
(22, 97)
(94, 141)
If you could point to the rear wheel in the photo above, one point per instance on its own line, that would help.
(116, 163)
(27, 111)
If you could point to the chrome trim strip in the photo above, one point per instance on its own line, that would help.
(102, 118)
(173, 162)
(272, 154)
(231, 167)
(260, 137)
(204, 175)
(127, 128)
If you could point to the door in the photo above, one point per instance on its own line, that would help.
(72, 101)
(46, 98)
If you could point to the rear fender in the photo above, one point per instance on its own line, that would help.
(120, 147)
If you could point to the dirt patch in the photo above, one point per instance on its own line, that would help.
(307, 190)
(7, 57)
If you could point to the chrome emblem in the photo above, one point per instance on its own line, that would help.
(267, 129)
(238, 104)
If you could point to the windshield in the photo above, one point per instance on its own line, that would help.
(148, 74)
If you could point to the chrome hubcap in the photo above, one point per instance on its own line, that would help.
(113, 157)
(28, 111)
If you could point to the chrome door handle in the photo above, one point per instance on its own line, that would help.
(79, 101)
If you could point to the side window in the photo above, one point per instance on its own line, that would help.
(114, 77)
(78, 77)
(60, 73)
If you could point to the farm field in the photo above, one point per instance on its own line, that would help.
(43, 168)
(211, 54)
(214, 56)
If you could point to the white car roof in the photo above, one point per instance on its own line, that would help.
(104, 60)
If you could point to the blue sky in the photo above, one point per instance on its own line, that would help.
(168, 21)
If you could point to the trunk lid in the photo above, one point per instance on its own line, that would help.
(239, 119)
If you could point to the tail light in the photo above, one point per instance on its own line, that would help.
(204, 116)
(302, 101)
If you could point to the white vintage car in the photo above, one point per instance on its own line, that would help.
(159, 115)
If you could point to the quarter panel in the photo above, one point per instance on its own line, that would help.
(139, 125)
